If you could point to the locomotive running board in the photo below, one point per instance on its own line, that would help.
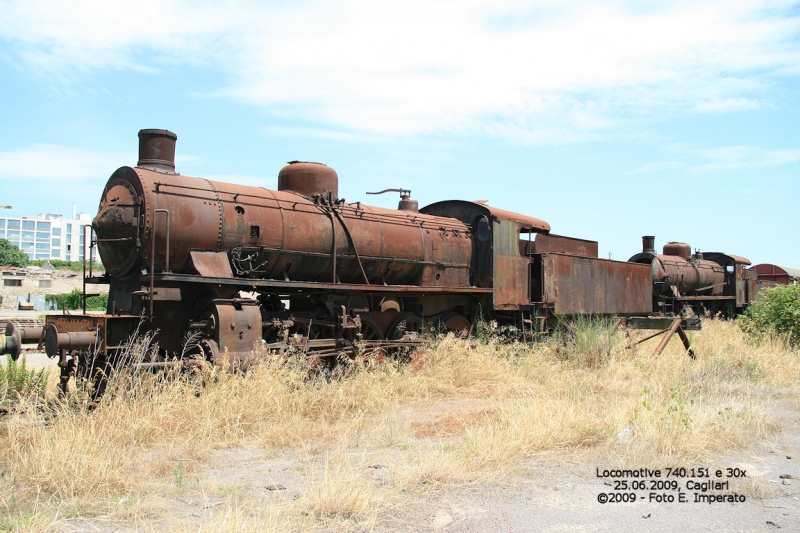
(309, 285)
(668, 325)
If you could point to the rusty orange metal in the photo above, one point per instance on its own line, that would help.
(575, 285)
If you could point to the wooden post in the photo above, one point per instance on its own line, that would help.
(676, 325)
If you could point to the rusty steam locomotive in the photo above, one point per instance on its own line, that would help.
(710, 282)
(216, 268)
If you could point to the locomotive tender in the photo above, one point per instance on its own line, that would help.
(214, 269)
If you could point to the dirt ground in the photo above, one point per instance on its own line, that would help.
(543, 494)
(564, 497)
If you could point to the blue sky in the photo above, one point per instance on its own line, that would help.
(610, 120)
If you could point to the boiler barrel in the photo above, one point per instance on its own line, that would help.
(688, 276)
(295, 236)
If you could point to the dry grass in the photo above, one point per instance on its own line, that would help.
(464, 412)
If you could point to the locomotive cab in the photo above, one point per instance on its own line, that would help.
(496, 258)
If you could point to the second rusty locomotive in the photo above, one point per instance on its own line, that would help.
(708, 282)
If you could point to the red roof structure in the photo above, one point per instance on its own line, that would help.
(778, 274)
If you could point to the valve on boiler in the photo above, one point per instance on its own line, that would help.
(406, 203)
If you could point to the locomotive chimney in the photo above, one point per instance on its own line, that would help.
(157, 150)
(648, 244)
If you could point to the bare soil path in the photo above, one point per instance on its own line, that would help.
(540, 495)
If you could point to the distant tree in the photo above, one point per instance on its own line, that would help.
(10, 255)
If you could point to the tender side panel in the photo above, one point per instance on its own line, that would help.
(587, 285)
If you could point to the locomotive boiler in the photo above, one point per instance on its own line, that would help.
(302, 231)
(213, 269)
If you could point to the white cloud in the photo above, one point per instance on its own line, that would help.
(722, 159)
(727, 105)
(57, 163)
(537, 72)
(737, 157)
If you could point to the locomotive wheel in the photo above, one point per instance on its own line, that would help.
(210, 350)
(92, 374)
(456, 323)
(198, 362)
(405, 323)
(370, 330)
(317, 331)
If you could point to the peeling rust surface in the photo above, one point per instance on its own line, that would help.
(585, 285)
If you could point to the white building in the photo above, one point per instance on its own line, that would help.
(48, 235)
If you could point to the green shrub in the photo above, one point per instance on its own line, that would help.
(586, 340)
(10, 255)
(776, 310)
(74, 300)
(16, 380)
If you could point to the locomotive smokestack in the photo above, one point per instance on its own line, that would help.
(157, 150)
(648, 244)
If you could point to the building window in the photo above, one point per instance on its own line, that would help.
(29, 225)
(40, 246)
(56, 232)
(2, 223)
(12, 282)
(42, 236)
(42, 256)
(56, 242)
(45, 283)
(43, 226)
(81, 241)
(69, 228)
(13, 224)
(55, 253)
(27, 236)
(26, 247)
(13, 235)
